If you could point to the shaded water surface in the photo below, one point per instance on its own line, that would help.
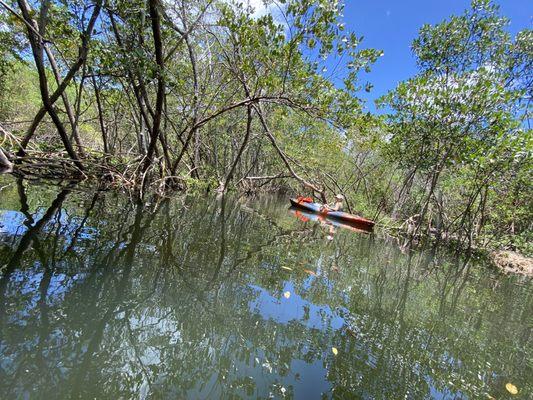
(200, 298)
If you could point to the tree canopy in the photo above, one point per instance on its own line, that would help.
(157, 95)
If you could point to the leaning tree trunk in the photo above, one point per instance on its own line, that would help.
(158, 44)
(68, 108)
(36, 42)
(100, 114)
(284, 158)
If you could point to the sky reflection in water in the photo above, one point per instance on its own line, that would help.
(102, 297)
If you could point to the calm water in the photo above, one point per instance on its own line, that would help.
(200, 298)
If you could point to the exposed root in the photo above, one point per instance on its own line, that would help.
(512, 262)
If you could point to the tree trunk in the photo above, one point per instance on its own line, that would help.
(241, 149)
(100, 114)
(156, 31)
(36, 41)
(68, 108)
(37, 51)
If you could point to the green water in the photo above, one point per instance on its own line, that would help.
(202, 298)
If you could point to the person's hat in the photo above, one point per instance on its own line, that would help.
(339, 197)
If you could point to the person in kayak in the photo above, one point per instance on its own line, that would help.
(336, 206)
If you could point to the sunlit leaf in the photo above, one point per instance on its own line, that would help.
(334, 350)
(287, 268)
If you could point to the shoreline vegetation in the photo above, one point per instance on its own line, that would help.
(157, 97)
(506, 261)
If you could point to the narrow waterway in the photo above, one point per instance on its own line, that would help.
(202, 298)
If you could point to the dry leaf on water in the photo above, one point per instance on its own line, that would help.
(511, 388)
(351, 332)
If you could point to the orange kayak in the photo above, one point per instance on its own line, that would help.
(338, 215)
(306, 216)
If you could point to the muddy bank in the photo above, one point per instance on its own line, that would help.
(512, 262)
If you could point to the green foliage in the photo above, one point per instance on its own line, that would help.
(20, 98)
(460, 122)
(455, 150)
(9, 48)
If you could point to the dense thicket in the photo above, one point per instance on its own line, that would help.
(165, 94)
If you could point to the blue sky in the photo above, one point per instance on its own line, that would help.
(391, 25)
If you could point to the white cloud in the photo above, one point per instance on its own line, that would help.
(260, 8)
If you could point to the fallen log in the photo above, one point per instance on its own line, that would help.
(6, 166)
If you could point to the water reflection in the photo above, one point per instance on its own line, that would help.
(103, 297)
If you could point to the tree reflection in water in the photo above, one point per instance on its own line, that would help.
(102, 297)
